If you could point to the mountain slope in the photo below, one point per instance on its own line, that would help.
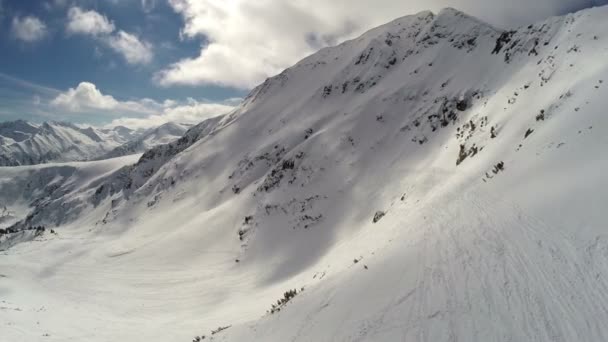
(49, 185)
(49, 203)
(435, 179)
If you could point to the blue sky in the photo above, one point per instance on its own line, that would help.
(142, 62)
(47, 61)
(33, 70)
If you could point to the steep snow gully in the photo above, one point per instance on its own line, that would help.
(436, 179)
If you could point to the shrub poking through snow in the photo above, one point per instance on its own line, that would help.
(273, 180)
(541, 116)
(498, 168)
(309, 132)
(213, 332)
(528, 132)
(248, 219)
(462, 105)
(462, 155)
(220, 329)
(287, 296)
(378, 216)
(288, 164)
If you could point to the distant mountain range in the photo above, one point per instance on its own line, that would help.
(26, 143)
(148, 139)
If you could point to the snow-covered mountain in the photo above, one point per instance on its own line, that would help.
(122, 134)
(148, 139)
(25, 143)
(436, 179)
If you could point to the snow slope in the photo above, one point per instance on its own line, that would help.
(26, 188)
(436, 179)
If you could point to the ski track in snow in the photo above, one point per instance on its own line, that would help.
(466, 267)
(484, 277)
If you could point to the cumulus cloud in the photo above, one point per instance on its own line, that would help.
(250, 40)
(134, 50)
(88, 22)
(28, 29)
(86, 98)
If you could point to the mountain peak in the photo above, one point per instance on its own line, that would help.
(451, 15)
(453, 12)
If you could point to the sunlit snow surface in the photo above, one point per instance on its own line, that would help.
(288, 186)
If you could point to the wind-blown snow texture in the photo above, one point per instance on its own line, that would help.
(436, 179)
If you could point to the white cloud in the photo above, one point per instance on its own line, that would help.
(250, 40)
(134, 50)
(88, 22)
(28, 29)
(86, 98)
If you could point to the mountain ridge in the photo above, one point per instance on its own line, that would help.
(25, 143)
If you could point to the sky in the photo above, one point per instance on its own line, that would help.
(141, 63)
